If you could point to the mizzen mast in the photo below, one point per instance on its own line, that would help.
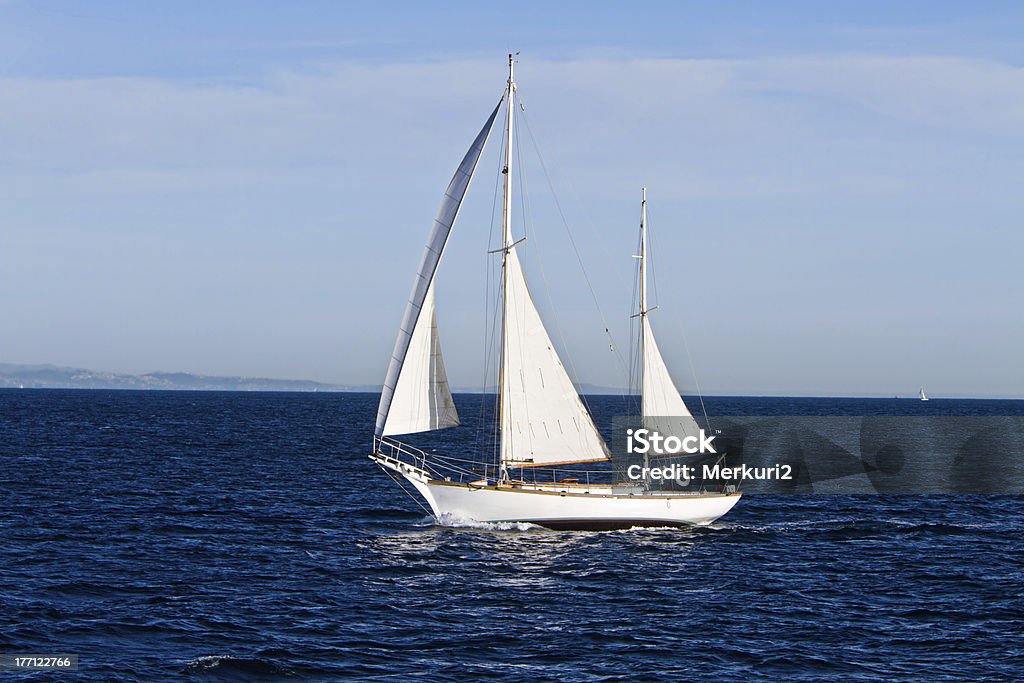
(661, 404)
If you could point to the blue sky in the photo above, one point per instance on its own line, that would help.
(245, 188)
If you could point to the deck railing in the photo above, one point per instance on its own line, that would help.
(463, 470)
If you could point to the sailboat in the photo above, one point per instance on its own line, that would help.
(542, 421)
(923, 397)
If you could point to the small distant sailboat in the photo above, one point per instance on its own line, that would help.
(923, 397)
(541, 421)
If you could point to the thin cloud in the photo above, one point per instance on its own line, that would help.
(854, 171)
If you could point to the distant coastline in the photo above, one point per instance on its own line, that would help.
(46, 376)
(14, 376)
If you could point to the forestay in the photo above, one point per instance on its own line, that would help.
(424, 402)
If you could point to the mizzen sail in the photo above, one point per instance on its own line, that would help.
(660, 398)
(661, 404)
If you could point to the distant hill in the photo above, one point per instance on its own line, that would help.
(55, 377)
(13, 376)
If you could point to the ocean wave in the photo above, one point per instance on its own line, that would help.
(227, 664)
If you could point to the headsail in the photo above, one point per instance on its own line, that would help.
(662, 406)
(422, 415)
(422, 399)
(543, 421)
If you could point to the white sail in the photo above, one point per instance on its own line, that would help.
(543, 420)
(422, 399)
(663, 407)
(421, 286)
(661, 404)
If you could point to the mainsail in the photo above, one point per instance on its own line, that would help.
(662, 406)
(424, 401)
(543, 421)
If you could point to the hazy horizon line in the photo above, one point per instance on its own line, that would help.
(330, 387)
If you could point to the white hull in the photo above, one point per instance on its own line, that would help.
(561, 509)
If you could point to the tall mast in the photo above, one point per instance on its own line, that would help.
(506, 207)
(506, 239)
(643, 314)
(643, 287)
(643, 253)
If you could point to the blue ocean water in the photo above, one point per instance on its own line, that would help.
(246, 536)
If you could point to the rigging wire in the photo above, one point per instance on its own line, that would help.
(579, 259)
(682, 328)
(635, 330)
(527, 229)
(530, 227)
(496, 274)
(398, 480)
(490, 322)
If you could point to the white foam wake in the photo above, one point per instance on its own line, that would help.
(454, 521)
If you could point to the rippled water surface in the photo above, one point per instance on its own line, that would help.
(229, 536)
